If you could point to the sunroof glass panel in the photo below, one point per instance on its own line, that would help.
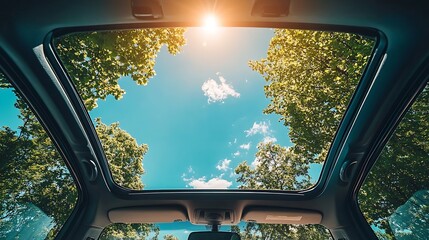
(215, 108)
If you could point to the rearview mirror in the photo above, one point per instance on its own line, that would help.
(214, 236)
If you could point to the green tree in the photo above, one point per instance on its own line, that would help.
(254, 231)
(277, 167)
(170, 237)
(311, 76)
(124, 154)
(129, 232)
(96, 60)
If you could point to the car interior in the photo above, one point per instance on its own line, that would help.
(339, 148)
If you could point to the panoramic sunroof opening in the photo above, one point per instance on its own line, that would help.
(215, 107)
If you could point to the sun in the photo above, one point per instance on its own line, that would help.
(210, 23)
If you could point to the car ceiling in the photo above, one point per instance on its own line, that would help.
(399, 68)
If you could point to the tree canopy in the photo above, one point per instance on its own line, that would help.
(254, 231)
(96, 60)
(311, 76)
(275, 167)
(124, 154)
(170, 237)
(130, 232)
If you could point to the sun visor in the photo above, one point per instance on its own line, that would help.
(281, 216)
(159, 214)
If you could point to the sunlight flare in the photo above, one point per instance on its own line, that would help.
(211, 23)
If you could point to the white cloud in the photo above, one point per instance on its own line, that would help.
(218, 92)
(236, 154)
(256, 162)
(223, 165)
(214, 183)
(233, 142)
(190, 171)
(261, 128)
(186, 179)
(269, 139)
(245, 146)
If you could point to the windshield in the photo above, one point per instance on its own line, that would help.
(181, 231)
(215, 108)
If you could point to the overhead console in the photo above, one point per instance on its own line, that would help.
(164, 214)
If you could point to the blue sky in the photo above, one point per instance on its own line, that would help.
(9, 113)
(201, 115)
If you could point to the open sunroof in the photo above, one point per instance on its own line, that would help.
(215, 108)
